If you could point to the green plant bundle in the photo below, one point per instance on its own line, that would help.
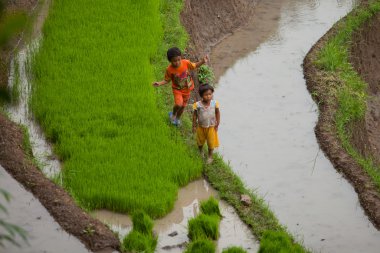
(352, 91)
(206, 75)
(204, 227)
(210, 207)
(234, 250)
(142, 222)
(94, 99)
(136, 242)
(201, 246)
(141, 238)
(275, 241)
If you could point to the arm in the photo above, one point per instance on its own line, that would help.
(160, 83)
(201, 62)
(217, 114)
(195, 117)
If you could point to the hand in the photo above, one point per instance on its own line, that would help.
(206, 59)
(155, 84)
(194, 129)
(216, 128)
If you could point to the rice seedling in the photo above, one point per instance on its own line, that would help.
(201, 246)
(204, 227)
(141, 238)
(234, 250)
(142, 222)
(275, 241)
(352, 93)
(136, 242)
(93, 98)
(210, 207)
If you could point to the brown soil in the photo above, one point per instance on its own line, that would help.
(94, 234)
(208, 22)
(322, 85)
(365, 57)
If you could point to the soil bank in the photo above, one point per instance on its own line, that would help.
(364, 58)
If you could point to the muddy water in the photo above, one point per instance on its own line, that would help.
(20, 113)
(233, 232)
(267, 133)
(44, 234)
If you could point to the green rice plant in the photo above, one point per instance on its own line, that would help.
(201, 246)
(141, 238)
(204, 227)
(142, 222)
(136, 242)
(275, 241)
(206, 75)
(234, 250)
(352, 93)
(210, 207)
(96, 104)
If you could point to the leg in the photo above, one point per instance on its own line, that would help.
(185, 99)
(178, 101)
(210, 159)
(176, 109)
(179, 112)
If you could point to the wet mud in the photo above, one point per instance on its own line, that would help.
(43, 233)
(267, 134)
(233, 232)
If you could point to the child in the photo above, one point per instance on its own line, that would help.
(206, 119)
(182, 83)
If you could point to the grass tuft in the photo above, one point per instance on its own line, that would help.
(136, 242)
(142, 222)
(234, 250)
(204, 227)
(274, 241)
(201, 246)
(210, 207)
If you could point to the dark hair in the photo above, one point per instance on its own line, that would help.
(173, 52)
(205, 87)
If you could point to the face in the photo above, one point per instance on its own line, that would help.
(176, 61)
(207, 96)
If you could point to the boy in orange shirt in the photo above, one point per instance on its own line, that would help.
(178, 73)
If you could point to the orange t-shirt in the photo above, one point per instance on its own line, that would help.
(180, 77)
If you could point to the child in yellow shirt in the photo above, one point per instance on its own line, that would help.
(206, 119)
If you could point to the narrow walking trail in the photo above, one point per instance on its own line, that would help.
(268, 118)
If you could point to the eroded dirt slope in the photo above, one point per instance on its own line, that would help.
(365, 57)
(208, 22)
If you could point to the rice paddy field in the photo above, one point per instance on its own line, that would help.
(93, 98)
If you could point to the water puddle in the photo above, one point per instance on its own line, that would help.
(267, 133)
(44, 234)
(233, 232)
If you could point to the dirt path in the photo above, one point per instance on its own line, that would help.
(267, 134)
